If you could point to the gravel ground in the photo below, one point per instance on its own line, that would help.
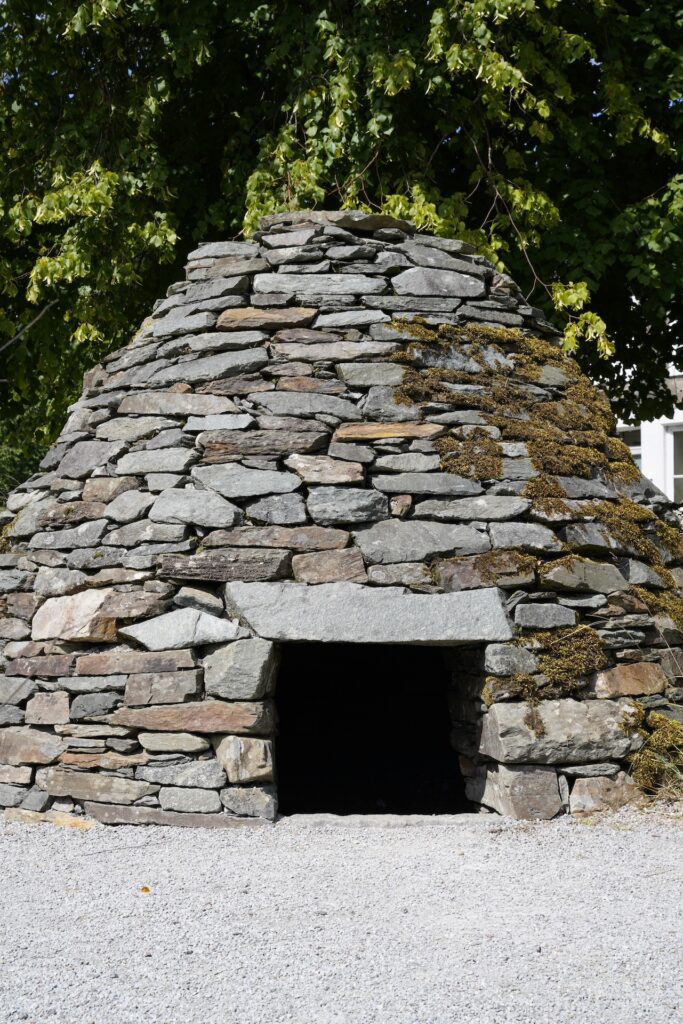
(476, 920)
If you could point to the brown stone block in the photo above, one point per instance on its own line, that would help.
(297, 538)
(377, 431)
(47, 666)
(201, 716)
(227, 564)
(630, 680)
(23, 745)
(109, 814)
(162, 687)
(124, 662)
(48, 709)
(93, 786)
(330, 567)
(108, 759)
(251, 318)
(223, 445)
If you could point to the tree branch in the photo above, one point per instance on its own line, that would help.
(29, 325)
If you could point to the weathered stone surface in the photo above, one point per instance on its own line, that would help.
(334, 505)
(298, 538)
(245, 759)
(129, 506)
(487, 507)
(204, 774)
(225, 364)
(381, 404)
(506, 660)
(125, 428)
(87, 535)
(424, 281)
(96, 787)
(48, 709)
(108, 759)
(544, 616)
(222, 565)
(145, 532)
(499, 568)
(198, 424)
(407, 462)
(223, 445)
(366, 375)
(175, 403)
(574, 731)
(23, 745)
(250, 318)
(321, 469)
(426, 483)
(379, 431)
(338, 352)
(162, 688)
(590, 771)
(525, 791)
(199, 801)
(199, 597)
(630, 680)
(172, 742)
(402, 574)
(124, 661)
(329, 566)
(14, 689)
(303, 403)
(281, 509)
(92, 705)
(525, 537)
(319, 284)
(84, 616)
(209, 716)
(590, 796)
(195, 507)
(183, 627)
(413, 541)
(244, 670)
(19, 775)
(166, 460)
(111, 814)
(352, 613)
(252, 801)
(11, 796)
(84, 456)
(10, 714)
(583, 574)
(233, 480)
(66, 513)
(107, 488)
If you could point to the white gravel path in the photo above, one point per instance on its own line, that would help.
(482, 921)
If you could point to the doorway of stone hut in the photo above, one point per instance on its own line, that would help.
(365, 729)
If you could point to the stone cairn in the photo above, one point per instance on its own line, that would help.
(342, 430)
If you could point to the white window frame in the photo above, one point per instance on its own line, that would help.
(671, 477)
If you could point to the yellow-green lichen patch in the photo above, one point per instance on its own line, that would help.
(543, 486)
(566, 656)
(670, 538)
(658, 603)
(565, 459)
(477, 457)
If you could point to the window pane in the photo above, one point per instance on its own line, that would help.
(678, 488)
(631, 437)
(678, 452)
(638, 459)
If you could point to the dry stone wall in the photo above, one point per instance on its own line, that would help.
(341, 430)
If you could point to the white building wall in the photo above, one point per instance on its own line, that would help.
(661, 452)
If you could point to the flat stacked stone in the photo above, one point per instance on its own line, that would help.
(342, 430)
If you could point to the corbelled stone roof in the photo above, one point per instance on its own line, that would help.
(342, 430)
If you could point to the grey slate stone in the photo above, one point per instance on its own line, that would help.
(199, 508)
(176, 403)
(419, 281)
(183, 627)
(367, 375)
(252, 801)
(413, 541)
(354, 613)
(244, 670)
(226, 421)
(408, 462)
(145, 532)
(132, 428)
(544, 616)
(11, 796)
(90, 705)
(527, 536)
(279, 510)
(16, 689)
(216, 250)
(225, 364)
(129, 506)
(304, 403)
(174, 324)
(485, 508)
(85, 456)
(506, 660)
(202, 801)
(575, 731)
(351, 452)
(10, 714)
(167, 460)
(585, 575)
(381, 404)
(205, 774)
(331, 505)
(87, 535)
(319, 284)
(351, 318)
(233, 480)
(425, 483)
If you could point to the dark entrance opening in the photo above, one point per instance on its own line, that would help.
(365, 729)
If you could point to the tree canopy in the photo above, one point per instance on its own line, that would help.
(542, 131)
